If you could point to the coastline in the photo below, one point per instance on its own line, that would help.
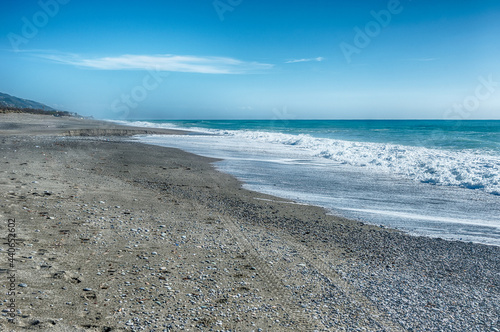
(47, 125)
(101, 221)
(308, 170)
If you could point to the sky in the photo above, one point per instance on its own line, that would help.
(242, 59)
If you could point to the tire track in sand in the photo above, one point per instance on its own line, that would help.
(276, 285)
(356, 301)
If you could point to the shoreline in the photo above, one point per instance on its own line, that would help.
(447, 212)
(102, 221)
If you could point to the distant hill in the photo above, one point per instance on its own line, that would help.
(11, 104)
(8, 101)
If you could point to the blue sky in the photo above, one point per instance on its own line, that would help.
(242, 59)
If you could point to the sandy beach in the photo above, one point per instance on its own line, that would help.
(112, 235)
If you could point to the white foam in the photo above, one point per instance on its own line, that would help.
(468, 169)
(146, 124)
(275, 201)
(404, 215)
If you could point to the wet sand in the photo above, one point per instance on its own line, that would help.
(113, 235)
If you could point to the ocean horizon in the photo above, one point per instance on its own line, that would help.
(438, 178)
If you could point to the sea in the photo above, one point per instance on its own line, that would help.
(425, 177)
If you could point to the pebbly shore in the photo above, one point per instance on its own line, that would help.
(114, 235)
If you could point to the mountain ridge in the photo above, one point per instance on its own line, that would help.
(7, 100)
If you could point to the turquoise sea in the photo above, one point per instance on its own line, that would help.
(426, 177)
(457, 135)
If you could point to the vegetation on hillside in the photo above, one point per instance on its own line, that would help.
(5, 110)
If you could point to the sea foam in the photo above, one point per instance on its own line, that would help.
(466, 169)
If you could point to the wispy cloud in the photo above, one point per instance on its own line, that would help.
(423, 59)
(318, 59)
(162, 62)
(245, 108)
